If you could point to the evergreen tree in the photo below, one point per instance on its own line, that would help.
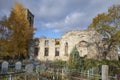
(74, 60)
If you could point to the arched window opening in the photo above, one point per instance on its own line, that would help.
(82, 48)
(66, 49)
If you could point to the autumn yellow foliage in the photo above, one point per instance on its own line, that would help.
(19, 32)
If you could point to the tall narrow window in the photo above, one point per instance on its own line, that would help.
(46, 42)
(66, 49)
(46, 52)
(56, 51)
(30, 20)
(36, 51)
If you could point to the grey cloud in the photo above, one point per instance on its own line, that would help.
(71, 21)
(59, 15)
(91, 8)
(6, 4)
(5, 7)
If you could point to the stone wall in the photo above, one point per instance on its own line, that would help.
(86, 42)
(51, 49)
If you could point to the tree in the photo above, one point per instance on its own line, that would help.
(19, 29)
(74, 59)
(108, 25)
(4, 36)
(90, 63)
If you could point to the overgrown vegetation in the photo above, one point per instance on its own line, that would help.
(59, 64)
(74, 61)
(77, 64)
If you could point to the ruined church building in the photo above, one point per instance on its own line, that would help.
(87, 42)
(84, 40)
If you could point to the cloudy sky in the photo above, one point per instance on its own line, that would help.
(55, 17)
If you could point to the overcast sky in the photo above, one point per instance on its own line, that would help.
(55, 17)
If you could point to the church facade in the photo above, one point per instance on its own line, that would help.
(84, 40)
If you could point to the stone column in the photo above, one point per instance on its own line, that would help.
(104, 72)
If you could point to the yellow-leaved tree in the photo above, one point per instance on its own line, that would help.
(19, 31)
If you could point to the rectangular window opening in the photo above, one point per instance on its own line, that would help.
(46, 52)
(57, 42)
(46, 42)
(56, 51)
